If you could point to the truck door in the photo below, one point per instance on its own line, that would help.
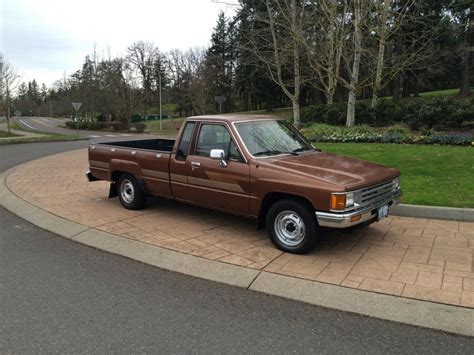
(212, 184)
(178, 164)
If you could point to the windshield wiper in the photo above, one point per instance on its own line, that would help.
(302, 149)
(273, 152)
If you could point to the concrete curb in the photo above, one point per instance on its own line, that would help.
(447, 318)
(446, 213)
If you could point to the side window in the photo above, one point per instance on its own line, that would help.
(212, 136)
(183, 148)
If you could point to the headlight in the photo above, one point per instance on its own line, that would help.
(396, 183)
(341, 201)
(349, 199)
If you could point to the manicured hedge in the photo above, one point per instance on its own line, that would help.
(139, 127)
(87, 125)
(418, 113)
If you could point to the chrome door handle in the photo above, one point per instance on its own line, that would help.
(195, 163)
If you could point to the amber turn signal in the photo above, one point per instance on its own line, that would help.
(338, 201)
(356, 218)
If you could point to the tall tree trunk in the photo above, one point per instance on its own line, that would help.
(296, 33)
(8, 115)
(350, 118)
(330, 91)
(465, 89)
(398, 88)
(381, 52)
(296, 111)
(296, 96)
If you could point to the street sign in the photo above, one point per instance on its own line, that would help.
(76, 105)
(17, 113)
(220, 100)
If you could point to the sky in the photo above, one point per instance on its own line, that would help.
(47, 39)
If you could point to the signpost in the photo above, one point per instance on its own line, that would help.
(220, 100)
(77, 106)
(17, 113)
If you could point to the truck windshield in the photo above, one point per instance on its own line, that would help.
(271, 137)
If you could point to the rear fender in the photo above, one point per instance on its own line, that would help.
(124, 166)
(117, 167)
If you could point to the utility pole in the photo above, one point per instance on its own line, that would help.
(160, 95)
(161, 69)
(220, 100)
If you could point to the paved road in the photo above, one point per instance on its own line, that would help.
(59, 296)
(54, 125)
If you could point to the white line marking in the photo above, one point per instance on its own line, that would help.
(92, 136)
(110, 135)
(26, 124)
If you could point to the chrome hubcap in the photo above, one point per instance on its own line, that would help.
(127, 191)
(289, 228)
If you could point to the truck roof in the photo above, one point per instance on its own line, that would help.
(233, 117)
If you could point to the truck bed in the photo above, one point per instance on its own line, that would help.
(162, 145)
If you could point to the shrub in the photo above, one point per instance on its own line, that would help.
(395, 134)
(417, 113)
(139, 127)
(118, 126)
(87, 125)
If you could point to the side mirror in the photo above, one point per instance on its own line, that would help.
(218, 154)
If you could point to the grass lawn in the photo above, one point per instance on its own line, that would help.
(169, 127)
(431, 175)
(45, 137)
(4, 134)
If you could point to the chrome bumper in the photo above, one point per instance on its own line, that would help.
(343, 220)
(91, 177)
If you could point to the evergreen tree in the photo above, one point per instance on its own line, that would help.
(219, 61)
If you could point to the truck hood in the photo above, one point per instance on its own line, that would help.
(349, 173)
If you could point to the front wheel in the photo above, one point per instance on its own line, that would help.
(130, 194)
(292, 226)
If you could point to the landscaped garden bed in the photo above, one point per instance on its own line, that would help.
(400, 134)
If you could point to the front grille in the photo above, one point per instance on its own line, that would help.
(372, 194)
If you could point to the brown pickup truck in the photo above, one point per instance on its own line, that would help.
(256, 166)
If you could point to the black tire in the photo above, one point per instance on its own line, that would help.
(292, 226)
(130, 193)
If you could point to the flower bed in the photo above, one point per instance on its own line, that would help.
(395, 134)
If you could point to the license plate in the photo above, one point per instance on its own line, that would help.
(382, 212)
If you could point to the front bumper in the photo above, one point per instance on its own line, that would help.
(345, 220)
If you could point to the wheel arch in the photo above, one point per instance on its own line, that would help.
(271, 197)
(114, 178)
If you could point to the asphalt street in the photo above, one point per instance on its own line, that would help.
(52, 125)
(60, 296)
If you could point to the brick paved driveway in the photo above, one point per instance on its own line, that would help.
(410, 257)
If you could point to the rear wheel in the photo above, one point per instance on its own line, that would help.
(130, 193)
(292, 226)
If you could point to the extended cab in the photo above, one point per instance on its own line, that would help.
(256, 166)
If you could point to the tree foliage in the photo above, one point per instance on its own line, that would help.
(278, 53)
